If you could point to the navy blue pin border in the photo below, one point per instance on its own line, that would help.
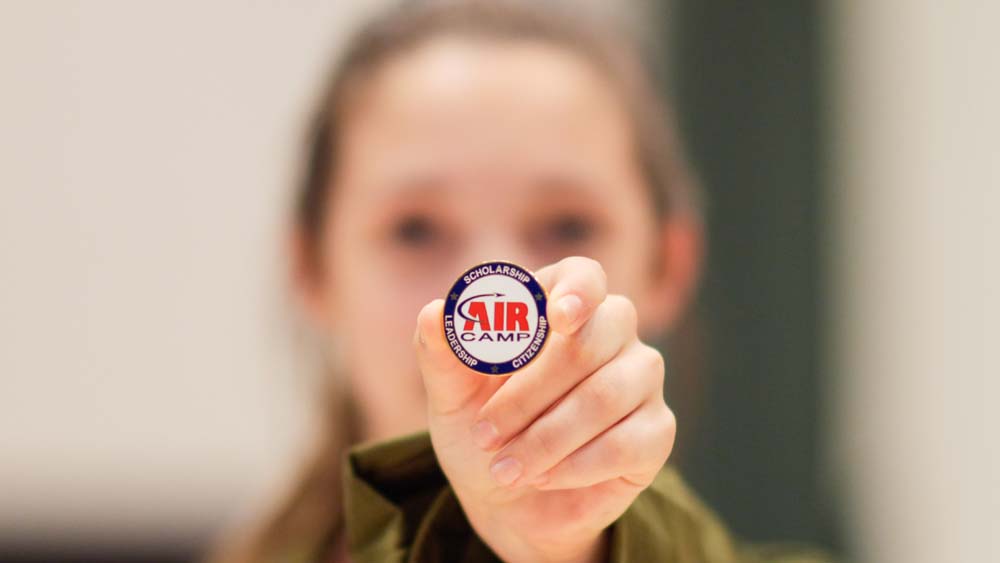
(450, 303)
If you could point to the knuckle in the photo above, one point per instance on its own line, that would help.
(426, 317)
(669, 414)
(666, 434)
(625, 312)
(653, 361)
(669, 419)
(506, 415)
(545, 442)
(671, 426)
(425, 311)
(581, 262)
(600, 393)
(575, 349)
(588, 265)
(598, 269)
(584, 349)
(621, 450)
(631, 314)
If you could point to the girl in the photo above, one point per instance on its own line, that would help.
(450, 134)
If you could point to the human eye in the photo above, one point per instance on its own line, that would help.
(565, 230)
(564, 233)
(569, 229)
(417, 231)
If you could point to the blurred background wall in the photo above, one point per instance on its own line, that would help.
(749, 86)
(915, 188)
(149, 388)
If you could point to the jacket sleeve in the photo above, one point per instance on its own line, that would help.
(668, 522)
(400, 508)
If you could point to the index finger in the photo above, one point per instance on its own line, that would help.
(577, 285)
(449, 385)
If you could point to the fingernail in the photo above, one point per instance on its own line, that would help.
(506, 470)
(484, 434)
(570, 307)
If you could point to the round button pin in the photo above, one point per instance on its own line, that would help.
(495, 317)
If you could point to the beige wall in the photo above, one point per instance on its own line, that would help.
(916, 123)
(147, 379)
(149, 384)
(148, 387)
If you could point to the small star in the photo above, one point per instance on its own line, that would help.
(539, 297)
(454, 297)
(494, 369)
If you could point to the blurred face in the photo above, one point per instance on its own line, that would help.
(462, 151)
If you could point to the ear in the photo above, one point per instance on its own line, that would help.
(306, 280)
(676, 271)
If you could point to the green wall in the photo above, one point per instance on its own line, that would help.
(747, 81)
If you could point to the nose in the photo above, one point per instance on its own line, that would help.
(496, 244)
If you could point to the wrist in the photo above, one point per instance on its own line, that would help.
(594, 550)
(513, 546)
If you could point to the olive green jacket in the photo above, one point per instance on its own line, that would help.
(400, 508)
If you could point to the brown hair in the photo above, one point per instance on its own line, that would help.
(399, 30)
(311, 512)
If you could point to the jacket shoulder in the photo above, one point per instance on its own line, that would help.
(400, 508)
(668, 521)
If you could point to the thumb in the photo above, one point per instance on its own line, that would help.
(452, 388)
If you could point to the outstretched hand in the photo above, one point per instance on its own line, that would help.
(544, 460)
